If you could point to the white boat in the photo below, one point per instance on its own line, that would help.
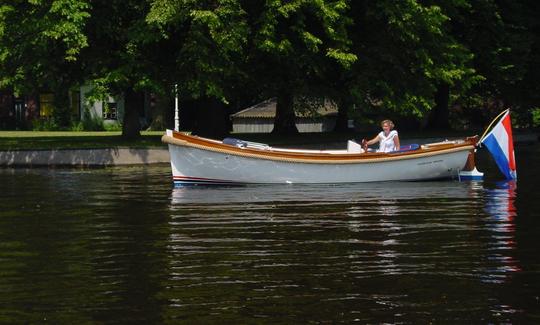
(198, 161)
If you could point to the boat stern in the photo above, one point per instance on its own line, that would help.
(469, 171)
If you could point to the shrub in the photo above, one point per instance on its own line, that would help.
(89, 122)
(114, 126)
(45, 124)
(535, 112)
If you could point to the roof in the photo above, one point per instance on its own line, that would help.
(267, 109)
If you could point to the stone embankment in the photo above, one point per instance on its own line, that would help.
(84, 157)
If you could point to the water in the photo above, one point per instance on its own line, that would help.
(121, 245)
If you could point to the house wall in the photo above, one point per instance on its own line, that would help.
(266, 125)
(309, 125)
(252, 125)
(115, 112)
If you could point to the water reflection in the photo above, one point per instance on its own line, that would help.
(270, 239)
(384, 193)
(121, 246)
(501, 212)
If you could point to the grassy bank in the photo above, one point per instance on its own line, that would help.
(31, 140)
(35, 140)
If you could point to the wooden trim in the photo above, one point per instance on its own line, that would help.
(185, 140)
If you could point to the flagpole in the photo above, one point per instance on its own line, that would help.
(490, 124)
(176, 115)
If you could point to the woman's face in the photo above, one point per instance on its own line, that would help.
(386, 127)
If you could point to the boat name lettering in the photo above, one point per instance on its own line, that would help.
(430, 162)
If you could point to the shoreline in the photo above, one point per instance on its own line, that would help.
(84, 157)
(125, 156)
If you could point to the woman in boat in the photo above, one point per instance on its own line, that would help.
(388, 138)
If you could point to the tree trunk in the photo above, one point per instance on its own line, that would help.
(161, 107)
(62, 111)
(284, 122)
(342, 121)
(439, 115)
(134, 103)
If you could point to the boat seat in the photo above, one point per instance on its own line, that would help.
(409, 147)
(245, 144)
(235, 142)
(354, 147)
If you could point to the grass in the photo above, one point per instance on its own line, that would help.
(34, 140)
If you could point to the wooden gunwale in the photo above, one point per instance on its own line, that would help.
(182, 139)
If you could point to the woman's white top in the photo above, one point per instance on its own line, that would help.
(386, 143)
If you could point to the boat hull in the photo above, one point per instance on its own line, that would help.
(199, 165)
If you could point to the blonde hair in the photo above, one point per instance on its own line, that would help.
(390, 123)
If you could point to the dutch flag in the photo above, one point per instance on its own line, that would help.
(500, 143)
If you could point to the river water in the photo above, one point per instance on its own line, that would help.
(121, 245)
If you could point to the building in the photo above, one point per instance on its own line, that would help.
(259, 118)
(22, 111)
(110, 110)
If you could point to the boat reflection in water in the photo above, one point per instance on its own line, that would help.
(395, 209)
(501, 211)
(415, 248)
(321, 193)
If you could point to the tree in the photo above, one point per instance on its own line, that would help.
(40, 45)
(404, 56)
(122, 56)
(206, 43)
(493, 33)
(527, 96)
(503, 43)
(293, 47)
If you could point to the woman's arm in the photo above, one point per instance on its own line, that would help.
(374, 140)
(396, 142)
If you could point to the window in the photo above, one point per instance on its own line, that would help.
(109, 111)
(46, 106)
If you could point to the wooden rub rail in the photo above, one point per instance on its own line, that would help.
(181, 139)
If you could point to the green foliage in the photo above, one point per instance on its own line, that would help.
(405, 52)
(40, 45)
(92, 123)
(115, 126)
(89, 123)
(301, 35)
(535, 117)
(210, 50)
(40, 42)
(498, 35)
(65, 21)
(45, 124)
(383, 56)
(76, 126)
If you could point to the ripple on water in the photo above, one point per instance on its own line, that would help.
(121, 245)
